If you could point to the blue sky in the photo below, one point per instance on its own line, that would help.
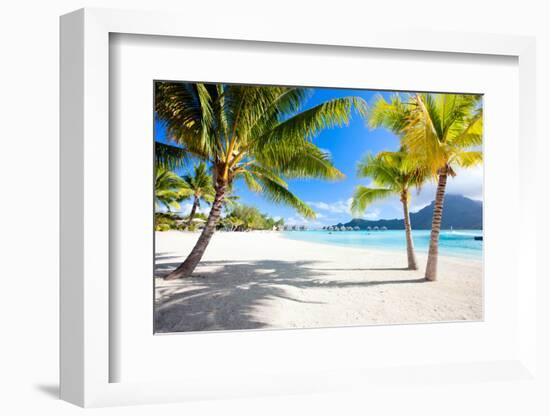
(347, 145)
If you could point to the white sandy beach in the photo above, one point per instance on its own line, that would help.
(258, 280)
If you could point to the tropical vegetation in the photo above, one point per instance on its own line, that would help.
(199, 184)
(245, 217)
(260, 134)
(439, 133)
(170, 189)
(263, 136)
(391, 175)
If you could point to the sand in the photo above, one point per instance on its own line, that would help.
(261, 280)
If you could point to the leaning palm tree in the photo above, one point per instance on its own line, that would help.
(391, 175)
(200, 185)
(260, 134)
(170, 189)
(443, 132)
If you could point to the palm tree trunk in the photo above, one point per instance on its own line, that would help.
(411, 257)
(188, 266)
(193, 211)
(431, 267)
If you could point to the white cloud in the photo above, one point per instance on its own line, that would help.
(338, 207)
(373, 214)
(467, 182)
(185, 209)
(298, 220)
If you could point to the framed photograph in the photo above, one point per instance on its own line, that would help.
(238, 247)
(279, 213)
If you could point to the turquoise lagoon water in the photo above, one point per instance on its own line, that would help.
(457, 243)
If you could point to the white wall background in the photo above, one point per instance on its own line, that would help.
(29, 209)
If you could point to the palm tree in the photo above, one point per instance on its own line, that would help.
(259, 134)
(390, 176)
(443, 132)
(170, 189)
(199, 184)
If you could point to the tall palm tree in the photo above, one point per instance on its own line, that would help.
(170, 189)
(391, 175)
(259, 134)
(200, 186)
(444, 131)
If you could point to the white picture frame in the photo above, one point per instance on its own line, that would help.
(85, 165)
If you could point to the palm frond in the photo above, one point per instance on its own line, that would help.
(468, 159)
(259, 133)
(309, 123)
(277, 193)
(170, 157)
(199, 183)
(364, 196)
(170, 189)
(392, 115)
(302, 161)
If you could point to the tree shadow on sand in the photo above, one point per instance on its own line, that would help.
(381, 269)
(226, 295)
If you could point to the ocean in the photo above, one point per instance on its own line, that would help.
(456, 243)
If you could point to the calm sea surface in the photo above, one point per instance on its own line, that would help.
(458, 243)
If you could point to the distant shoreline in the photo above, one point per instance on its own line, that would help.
(353, 239)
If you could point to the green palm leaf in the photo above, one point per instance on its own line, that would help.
(258, 133)
(276, 192)
(307, 124)
(170, 157)
(170, 189)
(363, 197)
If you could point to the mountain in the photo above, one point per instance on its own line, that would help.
(459, 212)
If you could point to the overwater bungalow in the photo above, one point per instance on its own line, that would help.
(356, 228)
(375, 228)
